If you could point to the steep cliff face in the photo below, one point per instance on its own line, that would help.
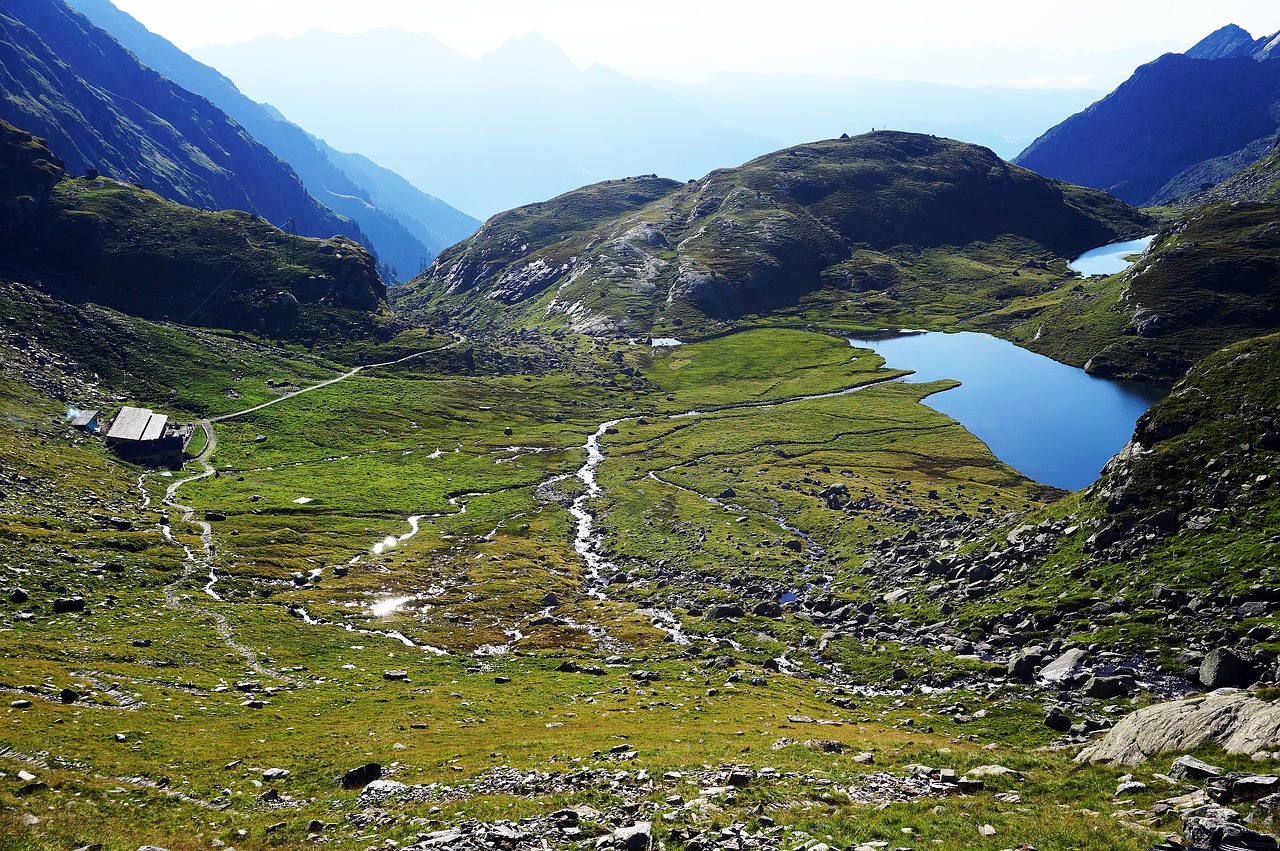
(1178, 123)
(845, 215)
(64, 79)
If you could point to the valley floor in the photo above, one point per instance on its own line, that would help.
(556, 589)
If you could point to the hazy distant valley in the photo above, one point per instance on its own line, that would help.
(599, 524)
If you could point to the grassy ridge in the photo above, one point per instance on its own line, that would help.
(829, 226)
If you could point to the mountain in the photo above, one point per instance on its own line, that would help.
(1232, 41)
(881, 215)
(404, 224)
(64, 79)
(109, 242)
(794, 108)
(518, 125)
(1178, 124)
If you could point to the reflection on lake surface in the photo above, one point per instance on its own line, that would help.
(1054, 423)
(1109, 259)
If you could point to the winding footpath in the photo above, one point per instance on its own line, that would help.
(179, 602)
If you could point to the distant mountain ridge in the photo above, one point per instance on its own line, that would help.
(1179, 124)
(520, 124)
(524, 124)
(404, 224)
(64, 79)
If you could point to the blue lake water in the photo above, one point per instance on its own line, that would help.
(1109, 259)
(1054, 423)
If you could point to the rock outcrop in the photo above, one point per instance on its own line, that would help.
(1237, 721)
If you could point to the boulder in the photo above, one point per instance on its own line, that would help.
(1215, 827)
(62, 605)
(725, 612)
(1065, 666)
(1190, 768)
(1105, 688)
(1226, 667)
(358, 778)
(637, 837)
(1236, 721)
(1056, 719)
(1025, 662)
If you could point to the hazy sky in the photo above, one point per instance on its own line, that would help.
(1094, 43)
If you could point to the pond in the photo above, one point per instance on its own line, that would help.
(1054, 423)
(1109, 259)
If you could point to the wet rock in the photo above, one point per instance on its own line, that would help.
(1026, 662)
(1067, 665)
(1105, 688)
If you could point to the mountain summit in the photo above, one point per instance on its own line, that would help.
(841, 217)
(1180, 123)
(1232, 41)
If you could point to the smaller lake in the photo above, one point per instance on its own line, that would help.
(1109, 259)
(1054, 423)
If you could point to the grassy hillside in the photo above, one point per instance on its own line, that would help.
(111, 243)
(1208, 280)
(880, 224)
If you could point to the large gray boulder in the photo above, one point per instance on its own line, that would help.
(1237, 721)
(1224, 667)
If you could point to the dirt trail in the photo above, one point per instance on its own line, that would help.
(188, 513)
(351, 374)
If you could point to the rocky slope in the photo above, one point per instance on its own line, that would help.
(64, 79)
(1178, 123)
(403, 226)
(96, 239)
(845, 216)
(1206, 281)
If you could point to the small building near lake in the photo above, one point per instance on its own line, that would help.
(142, 436)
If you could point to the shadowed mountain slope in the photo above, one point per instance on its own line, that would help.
(1178, 124)
(403, 223)
(64, 79)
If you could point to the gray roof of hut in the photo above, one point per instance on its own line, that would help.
(84, 418)
(137, 424)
